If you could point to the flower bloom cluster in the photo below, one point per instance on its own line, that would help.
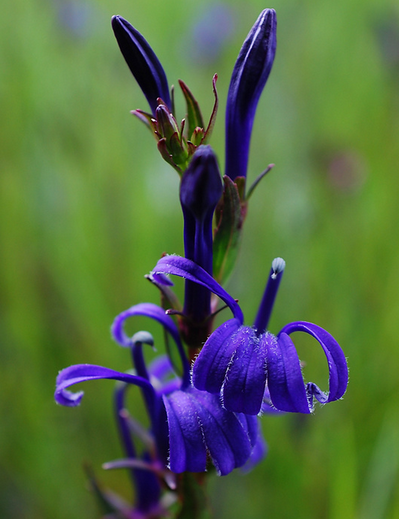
(204, 410)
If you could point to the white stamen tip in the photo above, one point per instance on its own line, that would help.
(278, 265)
(144, 338)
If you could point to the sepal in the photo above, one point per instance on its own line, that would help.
(197, 134)
(194, 115)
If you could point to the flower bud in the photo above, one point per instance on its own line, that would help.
(142, 61)
(249, 77)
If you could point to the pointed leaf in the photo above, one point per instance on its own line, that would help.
(212, 120)
(147, 119)
(194, 116)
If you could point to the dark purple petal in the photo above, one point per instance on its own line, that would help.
(233, 362)
(337, 365)
(245, 379)
(211, 365)
(267, 406)
(226, 439)
(146, 485)
(198, 424)
(251, 425)
(85, 372)
(158, 314)
(160, 368)
(285, 382)
(249, 77)
(259, 452)
(187, 448)
(182, 267)
(142, 61)
(162, 279)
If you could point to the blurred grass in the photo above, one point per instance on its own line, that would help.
(87, 207)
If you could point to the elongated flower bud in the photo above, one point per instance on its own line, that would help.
(200, 191)
(142, 61)
(249, 77)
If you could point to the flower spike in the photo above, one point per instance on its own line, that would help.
(142, 61)
(250, 74)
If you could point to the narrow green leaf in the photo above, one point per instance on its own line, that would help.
(147, 119)
(194, 116)
(212, 119)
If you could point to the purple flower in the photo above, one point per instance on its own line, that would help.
(142, 61)
(240, 362)
(249, 77)
(187, 424)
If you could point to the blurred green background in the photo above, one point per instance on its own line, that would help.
(87, 206)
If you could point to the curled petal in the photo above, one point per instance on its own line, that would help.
(145, 309)
(85, 372)
(198, 424)
(285, 382)
(158, 314)
(187, 269)
(337, 365)
(142, 61)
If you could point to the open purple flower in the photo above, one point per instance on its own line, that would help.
(250, 74)
(239, 361)
(188, 426)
